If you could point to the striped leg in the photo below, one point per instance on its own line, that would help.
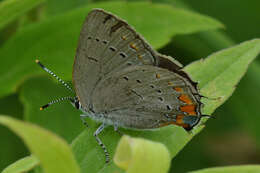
(82, 117)
(100, 128)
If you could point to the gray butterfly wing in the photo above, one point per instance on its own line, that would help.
(145, 97)
(106, 44)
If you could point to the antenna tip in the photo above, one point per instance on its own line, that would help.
(45, 106)
(37, 61)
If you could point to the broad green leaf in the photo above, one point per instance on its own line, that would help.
(132, 153)
(55, 40)
(220, 72)
(53, 152)
(61, 118)
(216, 69)
(12, 9)
(22, 165)
(231, 169)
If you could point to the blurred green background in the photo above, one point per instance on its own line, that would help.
(232, 138)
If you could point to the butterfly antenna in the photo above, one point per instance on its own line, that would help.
(54, 75)
(56, 101)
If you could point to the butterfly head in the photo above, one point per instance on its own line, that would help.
(76, 103)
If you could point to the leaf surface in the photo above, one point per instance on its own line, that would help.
(53, 152)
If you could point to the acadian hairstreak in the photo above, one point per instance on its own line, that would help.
(120, 80)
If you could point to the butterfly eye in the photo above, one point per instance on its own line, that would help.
(77, 104)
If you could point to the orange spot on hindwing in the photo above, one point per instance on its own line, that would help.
(178, 122)
(189, 109)
(178, 89)
(179, 119)
(185, 99)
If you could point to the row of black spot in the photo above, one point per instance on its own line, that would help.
(122, 54)
(152, 86)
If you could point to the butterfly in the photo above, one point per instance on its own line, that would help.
(120, 80)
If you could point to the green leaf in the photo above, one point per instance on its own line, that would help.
(224, 69)
(13, 146)
(231, 169)
(53, 152)
(12, 9)
(220, 72)
(56, 38)
(90, 155)
(62, 118)
(22, 165)
(132, 153)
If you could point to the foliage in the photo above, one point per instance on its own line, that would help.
(54, 40)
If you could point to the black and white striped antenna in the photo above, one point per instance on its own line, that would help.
(54, 75)
(72, 99)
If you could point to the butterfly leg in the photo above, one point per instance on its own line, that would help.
(116, 130)
(82, 117)
(100, 128)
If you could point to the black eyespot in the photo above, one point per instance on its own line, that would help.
(93, 59)
(104, 41)
(169, 107)
(89, 37)
(126, 78)
(160, 98)
(112, 48)
(97, 39)
(129, 63)
(159, 91)
(152, 86)
(122, 54)
(138, 81)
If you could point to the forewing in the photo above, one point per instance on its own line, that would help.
(106, 44)
(144, 97)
